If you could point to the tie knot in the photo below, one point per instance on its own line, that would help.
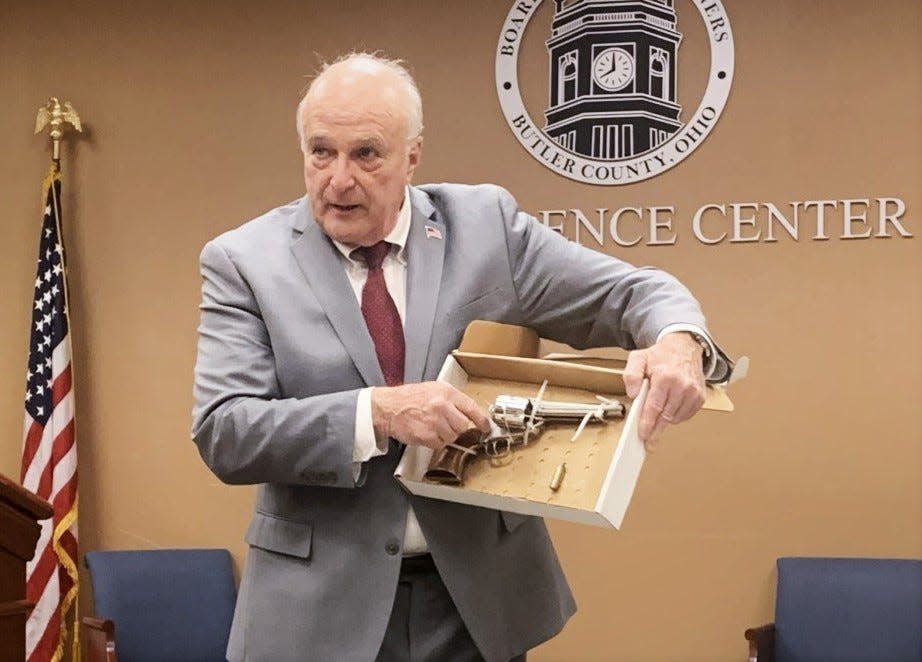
(373, 255)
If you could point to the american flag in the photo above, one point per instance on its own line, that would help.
(49, 455)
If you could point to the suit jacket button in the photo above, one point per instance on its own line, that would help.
(392, 547)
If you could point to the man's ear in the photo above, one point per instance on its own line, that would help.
(414, 155)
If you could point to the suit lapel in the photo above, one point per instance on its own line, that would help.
(425, 255)
(319, 261)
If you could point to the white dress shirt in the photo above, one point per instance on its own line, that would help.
(394, 267)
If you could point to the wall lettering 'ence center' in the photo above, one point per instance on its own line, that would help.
(734, 223)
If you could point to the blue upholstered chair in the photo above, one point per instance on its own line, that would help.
(843, 610)
(167, 605)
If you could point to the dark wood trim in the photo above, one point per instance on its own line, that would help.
(16, 607)
(22, 499)
(98, 637)
(761, 643)
(19, 532)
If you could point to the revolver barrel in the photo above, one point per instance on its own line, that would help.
(517, 412)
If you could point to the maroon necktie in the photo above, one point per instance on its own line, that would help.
(380, 313)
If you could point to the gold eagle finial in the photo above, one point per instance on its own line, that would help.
(58, 116)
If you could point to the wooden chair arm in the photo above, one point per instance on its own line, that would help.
(761, 643)
(98, 640)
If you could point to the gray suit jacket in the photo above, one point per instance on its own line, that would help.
(283, 352)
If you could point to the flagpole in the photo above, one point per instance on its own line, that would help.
(49, 466)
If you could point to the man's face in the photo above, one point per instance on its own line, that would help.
(357, 160)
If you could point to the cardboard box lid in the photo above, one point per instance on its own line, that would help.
(512, 343)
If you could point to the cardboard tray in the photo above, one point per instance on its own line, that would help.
(602, 464)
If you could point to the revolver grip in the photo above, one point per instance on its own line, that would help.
(447, 464)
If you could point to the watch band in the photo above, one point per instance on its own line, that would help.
(705, 345)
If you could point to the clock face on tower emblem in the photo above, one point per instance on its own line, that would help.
(613, 68)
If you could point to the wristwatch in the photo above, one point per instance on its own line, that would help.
(705, 345)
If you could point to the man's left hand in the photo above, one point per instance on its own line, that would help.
(674, 367)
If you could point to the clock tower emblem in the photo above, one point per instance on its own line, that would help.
(611, 114)
(613, 76)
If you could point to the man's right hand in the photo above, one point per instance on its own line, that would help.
(430, 414)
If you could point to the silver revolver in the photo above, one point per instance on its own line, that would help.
(515, 421)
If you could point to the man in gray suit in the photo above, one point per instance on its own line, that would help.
(318, 348)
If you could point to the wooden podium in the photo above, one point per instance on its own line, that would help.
(20, 511)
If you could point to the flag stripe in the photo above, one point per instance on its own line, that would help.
(62, 416)
(60, 387)
(42, 616)
(52, 478)
(50, 638)
(33, 439)
(44, 540)
(60, 449)
(41, 573)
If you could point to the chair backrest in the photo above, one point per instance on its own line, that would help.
(167, 604)
(848, 610)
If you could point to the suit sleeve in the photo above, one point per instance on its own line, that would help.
(245, 431)
(585, 298)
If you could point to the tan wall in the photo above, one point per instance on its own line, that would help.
(188, 109)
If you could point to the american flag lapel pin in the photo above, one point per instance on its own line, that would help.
(433, 232)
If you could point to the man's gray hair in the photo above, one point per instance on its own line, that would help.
(413, 103)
